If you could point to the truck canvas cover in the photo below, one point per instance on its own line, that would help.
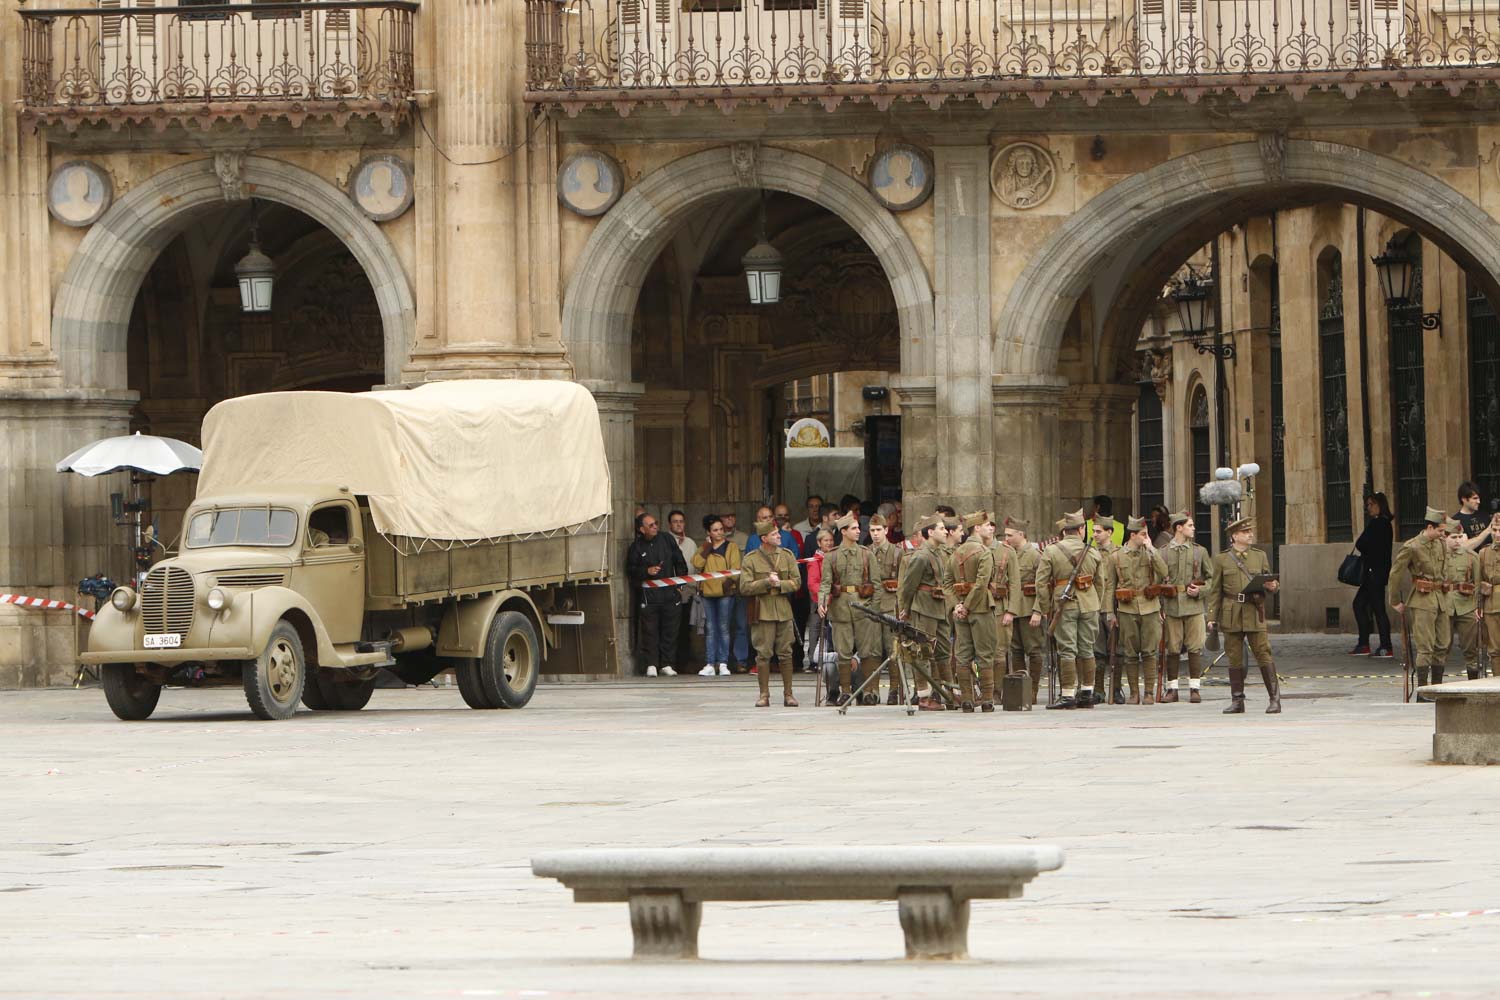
(449, 461)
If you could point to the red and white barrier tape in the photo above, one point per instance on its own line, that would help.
(37, 603)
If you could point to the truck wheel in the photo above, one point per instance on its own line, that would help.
(131, 697)
(312, 696)
(275, 680)
(512, 659)
(467, 673)
(340, 695)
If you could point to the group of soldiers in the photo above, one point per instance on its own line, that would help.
(991, 602)
(1452, 595)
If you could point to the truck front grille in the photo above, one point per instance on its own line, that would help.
(251, 579)
(167, 600)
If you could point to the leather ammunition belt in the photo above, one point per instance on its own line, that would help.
(1466, 589)
(889, 585)
(1243, 598)
(1029, 589)
(1079, 583)
(1000, 591)
(962, 589)
(1162, 590)
(1124, 594)
(928, 588)
(1422, 585)
(863, 590)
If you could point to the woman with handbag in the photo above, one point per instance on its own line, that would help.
(1374, 547)
(717, 554)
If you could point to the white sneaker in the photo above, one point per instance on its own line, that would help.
(723, 670)
(650, 671)
(707, 671)
(668, 672)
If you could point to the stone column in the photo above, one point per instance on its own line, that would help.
(617, 403)
(1028, 445)
(1096, 443)
(961, 210)
(917, 397)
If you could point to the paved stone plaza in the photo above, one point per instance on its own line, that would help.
(386, 853)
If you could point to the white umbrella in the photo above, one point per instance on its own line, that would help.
(157, 456)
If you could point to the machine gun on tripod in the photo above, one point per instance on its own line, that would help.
(908, 638)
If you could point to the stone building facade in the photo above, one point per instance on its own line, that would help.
(980, 201)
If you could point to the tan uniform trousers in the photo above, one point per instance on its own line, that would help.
(1028, 648)
(1185, 635)
(1491, 625)
(977, 640)
(1075, 635)
(1260, 648)
(1140, 638)
(1430, 632)
(858, 638)
(1463, 629)
(935, 663)
(773, 639)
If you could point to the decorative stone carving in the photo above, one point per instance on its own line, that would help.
(78, 193)
(230, 168)
(742, 156)
(1156, 368)
(1023, 175)
(589, 183)
(901, 178)
(382, 186)
(1273, 154)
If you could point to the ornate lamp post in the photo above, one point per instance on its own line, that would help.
(1396, 271)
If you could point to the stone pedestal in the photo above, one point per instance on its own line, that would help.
(57, 527)
(935, 923)
(1467, 728)
(664, 925)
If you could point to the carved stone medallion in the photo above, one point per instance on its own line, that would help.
(1023, 175)
(382, 186)
(78, 193)
(901, 178)
(589, 183)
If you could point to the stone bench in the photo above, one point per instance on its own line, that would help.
(667, 887)
(1468, 721)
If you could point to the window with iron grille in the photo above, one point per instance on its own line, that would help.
(1337, 501)
(1202, 466)
(1151, 475)
(1409, 403)
(1484, 392)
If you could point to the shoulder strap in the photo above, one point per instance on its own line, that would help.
(1240, 563)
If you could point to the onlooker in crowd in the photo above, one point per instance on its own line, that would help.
(1478, 527)
(784, 522)
(1374, 546)
(765, 513)
(893, 525)
(1104, 507)
(739, 538)
(823, 543)
(677, 525)
(652, 556)
(814, 519)
(717, 554)
(1161, 527)
(677, 528)
(739, 627)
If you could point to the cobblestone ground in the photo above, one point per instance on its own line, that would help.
(385, 853)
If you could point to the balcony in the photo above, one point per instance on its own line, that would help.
(202, 63)
(623, 53)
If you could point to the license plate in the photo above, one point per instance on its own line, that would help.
(168, 640)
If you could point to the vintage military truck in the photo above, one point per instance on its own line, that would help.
(456, 526)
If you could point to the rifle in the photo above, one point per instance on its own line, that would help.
(1067, 592)
(817, 655)
(1161, 661)
(1408, 663)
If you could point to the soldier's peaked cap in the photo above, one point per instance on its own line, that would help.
(764, 528)
(1181, 517)
(849, 520)
(1243, 524)
(1135, 524)
(974, 520)
(1016, 524)
(930, 521)
(1071, 521)
(1105, 522)
(1435, 516)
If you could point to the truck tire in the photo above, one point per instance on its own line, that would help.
(131, 697)
(467, 673)
(340, 695)
(511, 661)
(276, 679)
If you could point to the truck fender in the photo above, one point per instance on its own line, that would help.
(466, 623)
(112, 630)
(269, 605)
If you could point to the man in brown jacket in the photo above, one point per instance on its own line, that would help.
(767, 575)
(1241, 616)
(848, 576)
(886, 556)
(1138, 572)
(1028, 642)
(974, 621)
(923, 579)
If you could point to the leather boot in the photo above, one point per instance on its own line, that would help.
(988, 706)
(1117, 686)
(1086, 669)
(1422, 682)
(763, 677)
(1169, 696)
(1236, 692)
(1473, 674)
(893, 698)
(1437, 674)
(787, 701)
(1273, 689)
(1037, 668)
(1066, 701)
(764, 701)
(1195, 696)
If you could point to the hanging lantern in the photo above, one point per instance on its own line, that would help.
(1394, 270)
(1192, 296)
(256, 273)
(763, 266)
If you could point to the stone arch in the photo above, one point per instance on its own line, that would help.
(607, 278)
(98, 290)
(1199, 194)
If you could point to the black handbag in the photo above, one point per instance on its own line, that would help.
(1352, 569)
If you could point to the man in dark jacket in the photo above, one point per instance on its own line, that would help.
(653, 556)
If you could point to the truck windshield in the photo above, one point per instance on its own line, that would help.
(242, 526)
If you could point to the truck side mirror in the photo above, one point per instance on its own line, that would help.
(356, 547)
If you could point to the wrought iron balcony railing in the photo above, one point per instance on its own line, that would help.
(204, 62)
(620, 52)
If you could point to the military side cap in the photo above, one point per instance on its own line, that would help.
(1453, 527)
(930, 521)
(1016, 524)
(1181, 517)
(764, 528)
(950, 522)
(847, 521)
(1105, 523)
(1071, 521)
(1135, 524)
(974, 520)
(1243, 524)
(877, 521)
(1435, 516)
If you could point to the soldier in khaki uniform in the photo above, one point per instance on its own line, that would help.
(1422, 560)
(1489, 601)
(887, 560)
(1182, 601)
(1241, 616)
(849, 575)
(919, 594)
(1460, 604)
(1077, 610)
(948, 669)
(1104, 541)
(974, 623)
(1137, 572)
(1028, 642)
(1005, 589)
(767, 575)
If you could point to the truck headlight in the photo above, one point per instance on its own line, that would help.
(123, 599)
(218, 599)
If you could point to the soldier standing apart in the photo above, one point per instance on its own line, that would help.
(919, 594)
(1005, 589)
(849, 574)
(948, 669)
(1104, 541)
(974, 623)
(1183, 602)
(886, 556)
(1028, 642)
(1460, 604)
(767, 575)
(1138, 571)
(1489, 607)
(1065, 588)
(1242, 616)
(1422, 559)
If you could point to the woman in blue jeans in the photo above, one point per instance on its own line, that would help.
(717, 554)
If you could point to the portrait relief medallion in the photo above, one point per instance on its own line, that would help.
(382, 187)
(78, 193)
(1022, 175)
(589, 183)
(901, 178)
